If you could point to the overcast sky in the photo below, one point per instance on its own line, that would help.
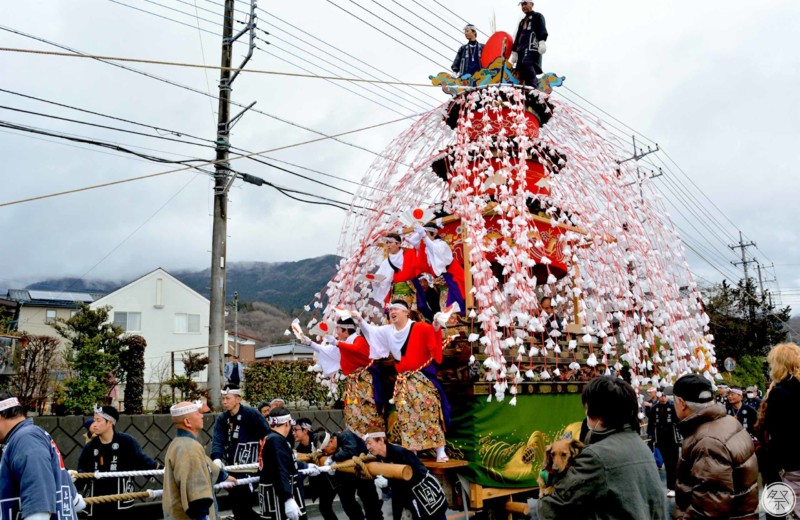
(713, 83)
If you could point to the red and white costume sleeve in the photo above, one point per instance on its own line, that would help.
(328, 357)
(384, 340)
(424, 343)
(438, 254)
(354, 354)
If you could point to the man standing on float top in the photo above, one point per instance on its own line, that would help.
(34, 485)
(468, 58)
(529, 45)
(237, 434)
(110, 450)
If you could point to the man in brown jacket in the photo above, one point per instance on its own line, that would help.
(717, 471)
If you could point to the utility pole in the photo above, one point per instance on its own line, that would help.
(236, 323)
(223, 180)
(743, 247)
(638, 154)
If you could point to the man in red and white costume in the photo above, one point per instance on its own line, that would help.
(422, 408)
(395, 271)
(349, 351)
(435, 256)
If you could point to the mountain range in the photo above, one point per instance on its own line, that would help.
(270, 293)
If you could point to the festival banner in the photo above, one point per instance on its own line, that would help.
(505, 444)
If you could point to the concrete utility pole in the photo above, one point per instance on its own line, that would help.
(223, 180)
(743, 247)
(236, 323)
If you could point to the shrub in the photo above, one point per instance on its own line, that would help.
(289, 380)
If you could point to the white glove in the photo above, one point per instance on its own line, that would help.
(542, 47)
(514, 58)
(78, 503)
(381, 482)
(419, 229)
(332, 340)
(329, 462)
(306, 340)
(219, 463)
(73, 474)
(292, 510)
(312, 470)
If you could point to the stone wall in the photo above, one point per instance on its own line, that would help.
(153, 432)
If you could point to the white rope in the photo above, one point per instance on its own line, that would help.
(156, 493)
(155, 472)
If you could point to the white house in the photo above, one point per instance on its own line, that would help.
(170, 316)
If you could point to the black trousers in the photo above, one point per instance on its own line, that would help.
(325, 492)
(348, 487)
(527, 74)
(670, 453)
(242, 502)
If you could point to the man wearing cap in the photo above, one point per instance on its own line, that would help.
(662, 430)
(529, 45)
(435, 257)
(423, 494)
(189, 475)
(34, 485)
(110, 450)
(363, 402)
(234, 371)
(468, 58)
(341, 447)
(394, 273)
(238, 431)
(746, 415)
(279, 490)
(423, 411)
(717, 469)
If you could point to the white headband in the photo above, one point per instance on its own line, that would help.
(325, 441)
(186, 409)
(99, 411)
(231, 391)
(391, 239)
(398, 306)
(11, 402)
(374, 435)
(280, 419)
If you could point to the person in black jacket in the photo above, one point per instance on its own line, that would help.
(746, 415)
(109, 450)
(662, 430)
(781, 418)
(468, 57)
(529, 45)
(237, 434)
(342, 447)
(279, 491)
(423, 494)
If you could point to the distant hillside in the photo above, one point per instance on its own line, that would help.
(284, 285)
(288, 285)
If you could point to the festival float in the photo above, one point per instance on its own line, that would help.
(536, 200)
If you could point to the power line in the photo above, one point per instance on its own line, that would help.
(208, 163)
(199, 66)
(449, 11)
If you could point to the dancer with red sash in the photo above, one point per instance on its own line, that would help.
(422, 408)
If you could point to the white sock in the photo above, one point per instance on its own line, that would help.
(440, 453)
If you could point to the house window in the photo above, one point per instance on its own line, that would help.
(50, 316)
(187, 324)
(130, 321)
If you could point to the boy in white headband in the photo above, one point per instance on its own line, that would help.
(33, 482)
(189, 475)
(399, 267)
(110, 450)
(279, 487)
(238, 431)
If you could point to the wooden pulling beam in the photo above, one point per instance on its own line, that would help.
(385, 469)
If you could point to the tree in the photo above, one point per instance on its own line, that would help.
(33, 362)
(94, 356)
(132, 365)
(743, 322)
(193, 364)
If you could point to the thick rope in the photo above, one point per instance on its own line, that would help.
(241, 468)
(156, 493)
(361, 467)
